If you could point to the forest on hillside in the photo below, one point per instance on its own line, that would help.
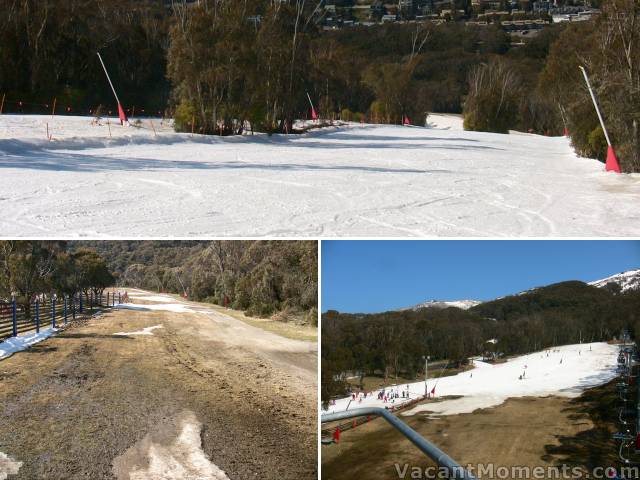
(394, 343)
(30, 268)
(225, 66)
(262, 278)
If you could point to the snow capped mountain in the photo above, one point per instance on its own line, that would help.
(626, 280)
(463, 304)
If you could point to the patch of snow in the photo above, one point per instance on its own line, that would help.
(22, 342)
(183, 459)
(564, 371)
(445, 122)
(629, 280)
(355, 180)
(144, 331)
(169, 307)
(8, 466)
(156, 298)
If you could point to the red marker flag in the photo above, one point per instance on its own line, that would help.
(121, 115)
(314, 114)
(612, 164)
(405, 121)
(433, 391)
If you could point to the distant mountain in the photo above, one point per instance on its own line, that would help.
(618, 283)
(462, 304)
(626, 281)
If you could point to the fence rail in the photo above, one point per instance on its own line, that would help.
(50, 311)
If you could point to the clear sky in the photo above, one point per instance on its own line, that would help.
(374, 276)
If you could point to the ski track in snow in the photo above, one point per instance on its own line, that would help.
(564, 371)
(355, 180)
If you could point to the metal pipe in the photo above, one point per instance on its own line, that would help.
(595, 104)
(426, 447)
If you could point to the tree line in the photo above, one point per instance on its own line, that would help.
(32, 268)
(500, 98)
(227, 66)
(395, 343)
(262, 278)
(48, 50)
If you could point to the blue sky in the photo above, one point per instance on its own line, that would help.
(374, 276)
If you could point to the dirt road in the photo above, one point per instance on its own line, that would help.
(161, 389)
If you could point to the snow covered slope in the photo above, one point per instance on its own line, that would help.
(627, 280)
(365, 180)
(565, 371)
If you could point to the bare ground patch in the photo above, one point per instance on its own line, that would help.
(521, 432)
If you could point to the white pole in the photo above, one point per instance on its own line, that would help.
(426, 365)
(595, 104)
(109, 78)
(310, 102)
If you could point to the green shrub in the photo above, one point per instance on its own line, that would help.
(183, 116)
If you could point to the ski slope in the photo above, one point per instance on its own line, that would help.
(564, 371)
(353, 180)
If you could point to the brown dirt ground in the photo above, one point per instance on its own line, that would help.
(532, 432)
(72, 404)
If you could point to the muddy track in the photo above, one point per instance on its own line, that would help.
(72, 405)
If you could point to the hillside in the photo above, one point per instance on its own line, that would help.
(621, 282)
(394, 342)
(618, 283)
(259, 277)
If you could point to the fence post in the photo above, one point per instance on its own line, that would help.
(14, 318)
(65, 309)
(37, 316)
(119, 299)
(73, 307)
(108, 304)
(80, 295)
(90, 302)
(53, 312)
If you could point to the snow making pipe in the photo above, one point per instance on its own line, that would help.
(595, 104)
(108, 78)
(430, 450)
